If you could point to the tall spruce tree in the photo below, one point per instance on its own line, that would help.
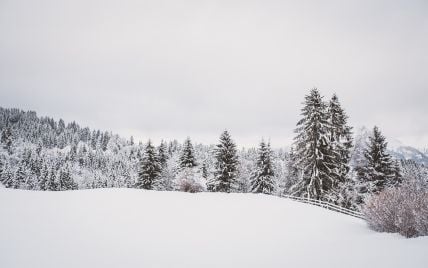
(149, 168)
(314, 155)
(8, 177)
(292, 174)
(21, 177)
(6, 139)
(52, 182)
(379, 171)
(162, 154)
(226, 165)
(187, 157)
(1, 167)
(44, 177)
(340, 136)
(204, 171)
(165, 176)
(262, 179)
(66, 181)
(341, 144)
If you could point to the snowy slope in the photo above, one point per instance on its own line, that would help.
(135, 228)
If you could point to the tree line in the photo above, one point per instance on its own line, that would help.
(322, 163)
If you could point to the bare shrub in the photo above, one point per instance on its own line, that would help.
(190, 186)
(401, 210)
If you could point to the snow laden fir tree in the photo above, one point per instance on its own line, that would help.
(342, 143)
(262, 179)
(226, 165)
(189, 178)
(321, 150)
(378, 170)
(150, 168)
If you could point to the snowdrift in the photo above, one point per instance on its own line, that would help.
(136, 228)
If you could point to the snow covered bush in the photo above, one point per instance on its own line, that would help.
(190, 180)
(401, 210)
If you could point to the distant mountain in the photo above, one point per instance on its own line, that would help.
(395, 147)
(401, 151)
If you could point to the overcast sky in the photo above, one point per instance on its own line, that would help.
(171, 69)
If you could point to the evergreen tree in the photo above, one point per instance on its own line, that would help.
(1, 167)
(162, 154)
(187, 157)
(204, 171)
(398, 176)
(44, 177)
(315, 157)
(292, 175)
(226, 165)
(66, 181)
(340, 136)
(20, 178)
(8, 177)
(341, 144)
(6, 139)
(378, 172)
(52, 184)
(262, 177)
(165, 176)
(149, 168)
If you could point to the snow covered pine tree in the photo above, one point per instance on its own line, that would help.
(379, 171)
(262, 177)
(341, 143)
(314, 155)
(189, 178)
(149, 168)
(225, 166)
(187, 158)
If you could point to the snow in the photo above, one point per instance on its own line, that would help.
(137, 228)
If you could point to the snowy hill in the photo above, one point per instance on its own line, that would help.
(135, 228)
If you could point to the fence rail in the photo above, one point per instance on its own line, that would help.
(326, 205)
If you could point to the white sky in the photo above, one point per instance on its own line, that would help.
(171, 69)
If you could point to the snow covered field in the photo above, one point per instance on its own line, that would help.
(136, 228)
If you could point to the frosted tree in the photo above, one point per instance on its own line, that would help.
(66, 181)
(397, 173)
(204, 171)
(52, 182)
(247, 159)
(188, 177)
(226, 165)
(414, 171)
(341, 144)
(340, 136)
(8, 177)
(187, 157)
(292, 172)
(262, 179)
(21, 177)
(165, 177)
(6, 139)
(314, 155)
(149, 168)
(162, 154)
(379, 171)
(44, 177)
(1, 167)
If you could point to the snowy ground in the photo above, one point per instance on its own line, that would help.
(135, 228)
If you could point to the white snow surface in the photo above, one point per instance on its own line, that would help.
(137, 228)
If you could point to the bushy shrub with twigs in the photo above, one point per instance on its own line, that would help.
(401, 210)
